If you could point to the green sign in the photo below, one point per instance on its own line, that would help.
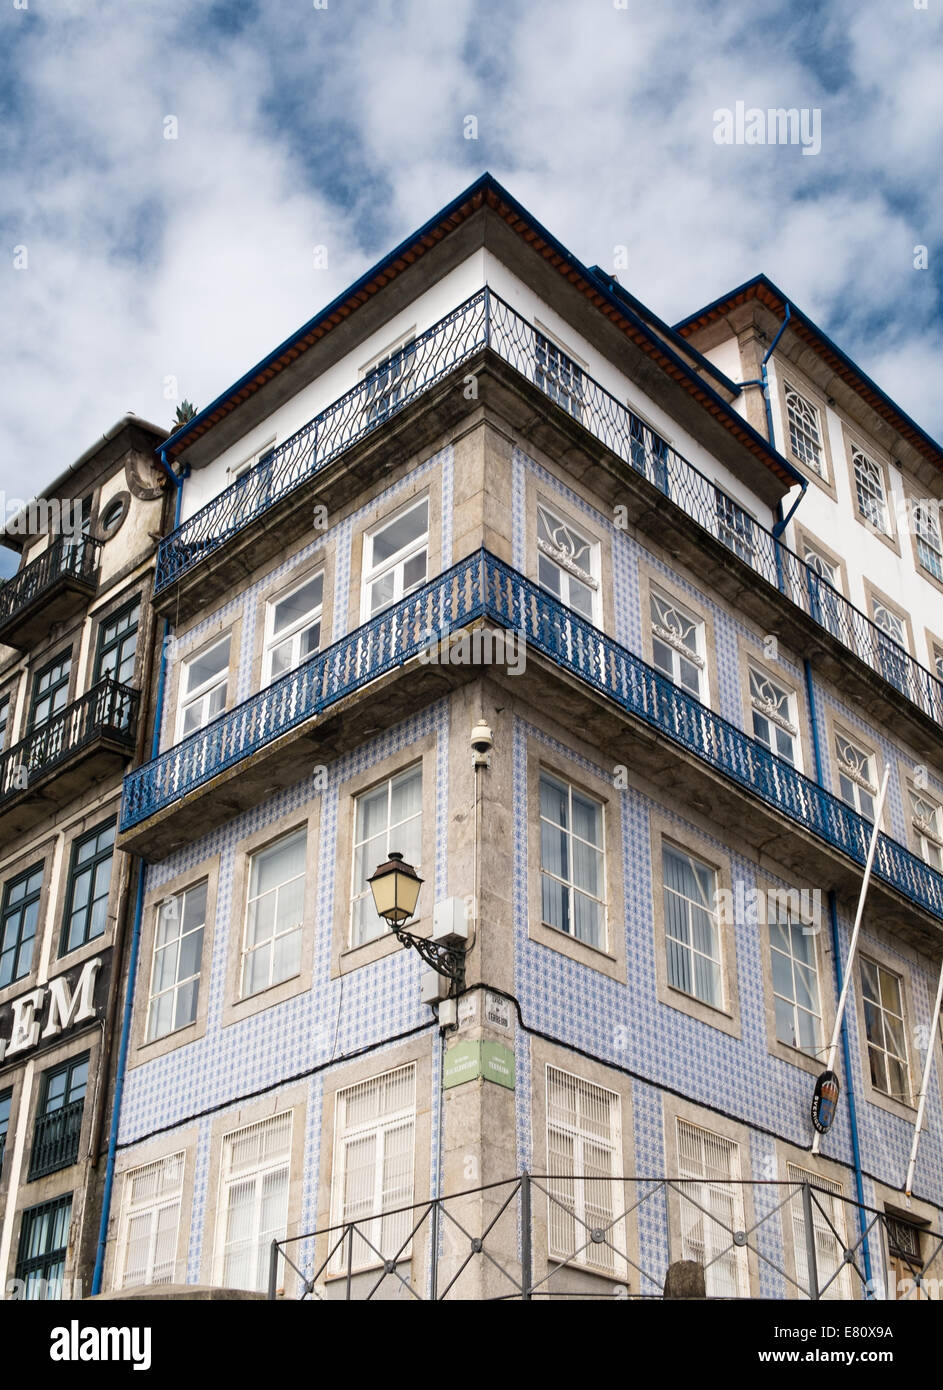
(466, 1061)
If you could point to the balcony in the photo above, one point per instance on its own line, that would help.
(56, 1140)
(88, 741)
(204, 779)
(50, 589)
(844, 640)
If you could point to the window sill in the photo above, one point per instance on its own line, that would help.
(710, 1014)
(593, 957)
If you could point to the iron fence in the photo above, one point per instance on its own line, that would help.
(485, 320)
(481, 586)
(557, 1236)
(67, 556)
(56, 1140)
(109, 708)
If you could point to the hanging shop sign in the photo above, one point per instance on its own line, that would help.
(825, 1101)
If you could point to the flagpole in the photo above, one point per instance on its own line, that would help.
(846, 985)
(924, 1087)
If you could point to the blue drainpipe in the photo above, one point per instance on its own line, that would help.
(839, 982)
(135, 940)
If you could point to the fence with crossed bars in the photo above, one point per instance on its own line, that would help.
(550, 1236)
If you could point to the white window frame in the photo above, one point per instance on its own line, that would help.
(736, 527)
(587, 1214)
(881, 1046)
(375, 1221)
(893, 666)
(568, 883)
(700, 1233)
(362, 891)
(771, 710)
(678, 649)
(278, 1161)
(926, 820)
(379, 405)
(863, 783)
(708, 905)
(870, 490)
(829, 1246)
(396, 562)
(804, 423)
(235, 471)
(830, 609)
(169, 1173)
(796, 964)
(201, 695)
(568, 568)
(270, 943)
(929, 541)
(178, 901)
(567, 386)
(295, 631)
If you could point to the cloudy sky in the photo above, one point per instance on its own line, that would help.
(344, 125)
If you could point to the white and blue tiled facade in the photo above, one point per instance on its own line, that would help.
(661, 1052)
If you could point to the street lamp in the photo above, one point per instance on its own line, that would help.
(395, 887)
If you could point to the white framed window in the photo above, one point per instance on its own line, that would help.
(937, 658)
(293, 627)
(735, 527)
(712, 1209)
(826, 605)
(857, 786)
(649, 451)
(253, 1200)
(388, 817)
(396, 558)
(870, 491)
(796, 997)
(178, 955)
(584, 1155)
(929, 540)
(892, 654)
(572, 861)
(773, 708)
(203, 683)
(692, 930)
(678, 645)
(567, 563)
(828, 1230)
(558, 374)
(150, 1222)
(245, 465)
(271, 950)
(374, 1164)
(387, 378)
(805, 430)
(883, 997)
(928, 828)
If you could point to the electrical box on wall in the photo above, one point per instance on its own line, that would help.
(450, 920)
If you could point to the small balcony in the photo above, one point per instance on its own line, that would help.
(56, 1140)
(260, 745)
(50, 589)
(86, 742)
(210, 552)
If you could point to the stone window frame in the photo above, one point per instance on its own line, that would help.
(45, 853)
(86, 1040)
(852, 441)
(933, 793)
(236, 1007)
(806, 539)
(824, 961)
(111, 609)
(786, 374)
(276, 586)
(546, 1054)
(691, 841)
(185, 1140)
(537, 490)
(140, 1049)
(184, 651)
(875, 595)
(92, 817)
(650, 578)
(826, 1168)
(344, 956)
(911, 498)
(40, 662)
(835, 725)
(384, 509)
(10, 687)
(895, 963)
(418, 1052)
(676, 1108)
(293, 1097)
(778, 673)
(14, 1082)
(608, 960)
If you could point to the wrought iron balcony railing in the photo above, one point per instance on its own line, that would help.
(67, 557)
(56, 1140)
(107, 709)
(482, 586)
(486, 320)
